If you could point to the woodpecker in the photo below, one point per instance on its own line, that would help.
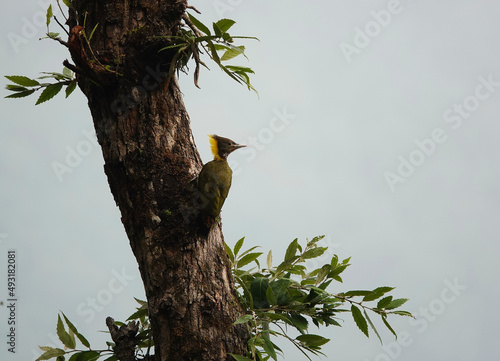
(215, 177)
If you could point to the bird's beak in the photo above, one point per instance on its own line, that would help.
(238, 146)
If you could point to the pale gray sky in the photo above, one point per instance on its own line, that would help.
(377, 126)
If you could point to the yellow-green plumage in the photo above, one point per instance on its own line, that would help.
(215, 177)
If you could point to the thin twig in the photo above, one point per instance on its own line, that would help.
(193, 8)
(189, 23)
(57, 21)
(62, 12)
(56, 38)
(292, 341)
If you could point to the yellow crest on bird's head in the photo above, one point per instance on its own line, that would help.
(214, 147)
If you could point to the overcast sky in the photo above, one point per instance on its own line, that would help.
(376, 125)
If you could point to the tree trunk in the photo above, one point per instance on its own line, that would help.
(150, 160)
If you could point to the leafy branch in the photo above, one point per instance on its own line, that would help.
(23, 86)
(141, 337)
(67, 337)
(289, 295)
(195, 38)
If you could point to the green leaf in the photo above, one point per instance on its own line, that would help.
(299, 321)
(331, 321)
(67, 73)
(247, 298)
(70, 88)
(22, 80)
(15, 88)
(45, 348)
(280, 290)
(248, 251)
(238, 245)
(49, 92)
(337, 278)
(49, 15)
(243, 261)
(229, 252)
(142, 312)
(335, 260)
(357, 293)
(314, 252)
(313, 297)
(243, 319)
(372, 325)
(225, 24)
(199, 24)
(67, 3)
(359, 319)
(269, 260)
(50, 353)
(384, 302)
(111, 358)
(92, 32)
(88, 356)
(233, 52)
(246, 37)
(240, 70)
(389, 326)
(269, 348)
(258, 289)
(403, 313)
(21, 94)
(240, 358)
(315, 240)
(377, 293)
(60, 358)
(65, 338)
(74, 357)
(312, 340)
(324, 271)
(396, 303)
(338, 270)
(325, 284)
(141, 302)
(51, 74)
(277, 317)
(72, 327)
(217, 31)
(270, 296)
(292, 248)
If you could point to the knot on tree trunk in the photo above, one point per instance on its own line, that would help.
(124, 339)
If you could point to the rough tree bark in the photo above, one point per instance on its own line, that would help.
(150, 158)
